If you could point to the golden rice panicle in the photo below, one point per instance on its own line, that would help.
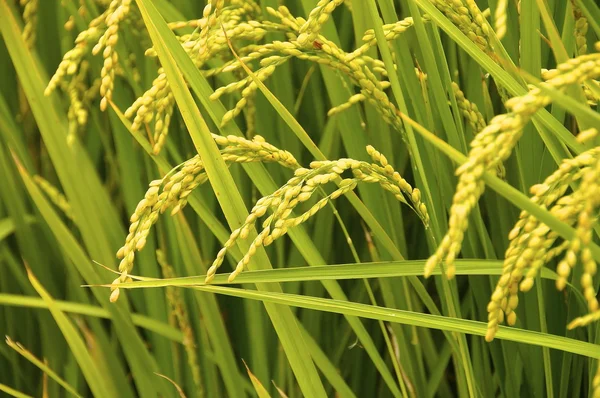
(117, 11)
(144, 216)
(301, 188)
(587, 135)
(164, 112)
(317, 17)
(469, 109)
(532, 243)
(392, 181)
(30, 9)
(479, 23)
(156, 104)
(596, 382)
(241, 150)
(355, 99)
(55, 196)
(243, 263)
(576, 208)
(78, 113)
(493, 145)
(390, 31)
(592, 98)
(500, 18)
(211, 15)
(526, 254)
(467, 17)
(587, 194)
(537, 254)
(584, 320)
(581, 28)
(242, 232)
(475, 118)
(250, 117)
(325, 53)
(172, 191)
(344, 187)
(73, 58)
(584, 235)
(285, 16)
(279, 202)
(283, 202)
(248, 92)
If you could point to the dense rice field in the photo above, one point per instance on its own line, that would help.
(344, 198)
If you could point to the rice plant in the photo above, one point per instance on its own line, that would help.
(299, 198)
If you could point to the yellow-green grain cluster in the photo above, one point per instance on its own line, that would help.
(300, 188)
(533, 244)
(581, 28)
(355, 99)
(55, 196)
(101, 36)
(468, 18)
(469, 109)
(390, 31)
(217, 25)
(30, 10)
(360, 68)
(117, 11)
(309, 31)
(73, 58)
(173, 191)
(500, 18)
(79, 95)
(493, 145)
